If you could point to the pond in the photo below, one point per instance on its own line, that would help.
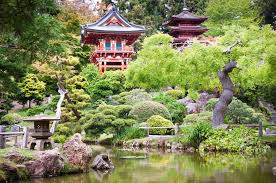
(164, 167)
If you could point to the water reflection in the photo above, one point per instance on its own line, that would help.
(163, 167)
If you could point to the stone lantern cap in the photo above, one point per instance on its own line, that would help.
(42, 117)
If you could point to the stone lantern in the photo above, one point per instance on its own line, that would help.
(40, 136)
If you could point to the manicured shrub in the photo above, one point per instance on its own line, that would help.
(159, 121)
(10, 119)
(198, 117)
(176, 109)
(144, 110)
(176, 94)
(239, 140)
(238, 112)
(59, 138)
(123, 110)
(132, 97)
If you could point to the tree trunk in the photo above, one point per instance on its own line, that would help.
(227, 93)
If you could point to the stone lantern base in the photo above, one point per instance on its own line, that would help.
(40, 144)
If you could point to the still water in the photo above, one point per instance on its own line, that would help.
(165, 167)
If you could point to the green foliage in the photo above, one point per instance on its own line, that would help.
(159, 121)
(238, 112)
(144, 110)
(198, 117)
(176, 94)
(222, 13)
(63, 132)
(111, 83)
(32, 87)
(132, 97)
(131, 133)
(176, 109)
(195, 134)
(10, 119)
(158, 56)
(239, 140)
(106, 119)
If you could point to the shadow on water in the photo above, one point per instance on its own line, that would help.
(164, 167)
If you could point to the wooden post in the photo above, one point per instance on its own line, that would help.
(260, 129)
(176, 129)
(15, 128)
(2, 139)
(25, 137)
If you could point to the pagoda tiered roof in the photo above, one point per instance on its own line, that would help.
(110, 23)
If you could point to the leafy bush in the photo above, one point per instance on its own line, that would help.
(240, 140)
(159, 121)
(238, 112)
(59, 138)
(123, 110)
(132, 133)
(10, 119)
(198, 117)
(176, 94)
(176, 109)
(144, 110)
(195, 134)
(132, 97)
(106, 119)
(62, 132)
(111, 83)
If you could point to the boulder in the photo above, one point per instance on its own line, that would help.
(161, 143)
(190, 150)
(48, 163)
(77, 153)
(102, 162)
(274, 170)
(9, 170)
(16, 157)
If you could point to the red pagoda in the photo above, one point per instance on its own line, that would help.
(185, 26)
(113, 37)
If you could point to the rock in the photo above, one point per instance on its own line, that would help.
(102, 162)
(16, 157)
(9, 170)
(274, 170)
(77, 153)
(168, 145)
(146, 143)
(49, 163)
(177, 146)
(222, 126)
(190, 150)
(161, 143)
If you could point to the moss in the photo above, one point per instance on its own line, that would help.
(24, 152)
(71, 169)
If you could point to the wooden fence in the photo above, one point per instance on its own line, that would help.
(14, 133)
(176, 128)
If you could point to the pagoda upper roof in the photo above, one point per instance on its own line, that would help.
(112, 22)
(185, 16)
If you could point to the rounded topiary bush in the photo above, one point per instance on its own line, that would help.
(10, 119)
(198, 117)
(159, 121)
(176, 94)
(144, 110)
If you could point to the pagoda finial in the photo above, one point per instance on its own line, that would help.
(113, 6)
(185, 7)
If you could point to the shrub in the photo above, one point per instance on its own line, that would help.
(176, 94)
(239, 140)
(176, 109)
(131, 133)
(10, 119)
(132, 97)
(123, 110)
(195, 134)
(198, 117)
(211, 104)
(238, 112)
(144, 110)
(159, 121)
(59, 138)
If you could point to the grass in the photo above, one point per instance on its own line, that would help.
(25, 152)
(268, 139)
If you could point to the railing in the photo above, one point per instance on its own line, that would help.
(14, 133)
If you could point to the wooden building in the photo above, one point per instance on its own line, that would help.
(113, 37)
(185, 26)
